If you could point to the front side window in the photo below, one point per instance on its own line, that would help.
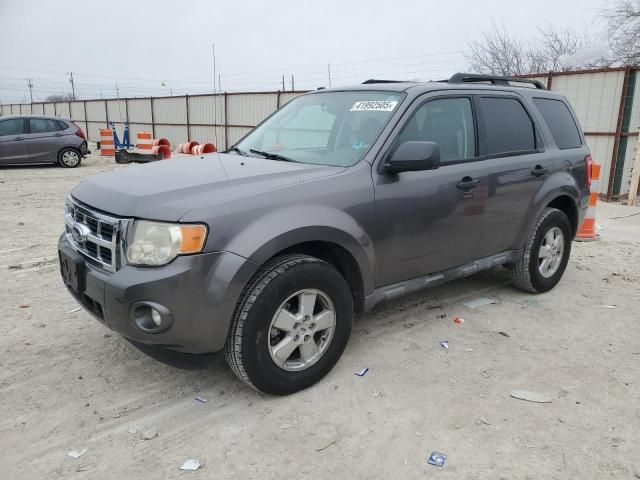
(326, 128)
(449, 123)
(43, 125)
(507, 126)
(13, 126)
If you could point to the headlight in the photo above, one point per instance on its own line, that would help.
(155, 243)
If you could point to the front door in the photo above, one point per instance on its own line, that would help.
(432, 220)
(13, 145)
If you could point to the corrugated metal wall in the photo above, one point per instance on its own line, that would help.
(611, 127)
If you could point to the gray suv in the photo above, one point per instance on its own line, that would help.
(37, 139)
(340, 200)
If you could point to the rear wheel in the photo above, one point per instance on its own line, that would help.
(69, 157)
(546, 253)
(291, 325)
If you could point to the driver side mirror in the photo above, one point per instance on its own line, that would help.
(413, 157)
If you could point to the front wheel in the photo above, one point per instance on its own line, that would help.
(291, 325)
(546, 253)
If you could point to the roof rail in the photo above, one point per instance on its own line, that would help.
(494, 79)
(373, 80)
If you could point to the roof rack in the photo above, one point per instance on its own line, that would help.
(493, 79)
(373, 80)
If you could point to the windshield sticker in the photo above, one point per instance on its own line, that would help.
(374, 106)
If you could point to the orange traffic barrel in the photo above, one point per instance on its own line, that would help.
(160, 141)
(203, 148)
(164, 150)
(144, 142)
(107, 146)
(186, 147)
(587, 230)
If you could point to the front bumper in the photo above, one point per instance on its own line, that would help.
(200, 291)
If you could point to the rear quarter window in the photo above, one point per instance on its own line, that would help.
(507, 126)
(560, 121)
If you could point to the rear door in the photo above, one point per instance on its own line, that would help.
(516, 163)
(13, 145)
(45, 139)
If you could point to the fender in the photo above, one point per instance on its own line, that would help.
(297, 224)
(556, 185)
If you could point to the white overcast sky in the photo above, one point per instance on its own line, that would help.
(141, 44)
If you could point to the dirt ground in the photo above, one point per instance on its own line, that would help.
(67, 383)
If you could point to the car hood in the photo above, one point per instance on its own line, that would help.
(168, 190)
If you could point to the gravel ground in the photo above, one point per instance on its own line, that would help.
(67, 383)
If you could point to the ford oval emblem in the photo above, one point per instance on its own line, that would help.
(79, 232)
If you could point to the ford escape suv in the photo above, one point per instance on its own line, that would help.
(341, 199)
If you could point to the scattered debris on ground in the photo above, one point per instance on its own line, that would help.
(530, 396)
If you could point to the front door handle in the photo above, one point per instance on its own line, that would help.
(539, 171)
(57, 134)
(468, 183)
(19, 138)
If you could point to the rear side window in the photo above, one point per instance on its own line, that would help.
(43, 125)
(12, 126)
(61, 125)
(560, 121)
(507, 126)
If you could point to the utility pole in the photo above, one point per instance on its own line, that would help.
(215, 100)
(30, 85)
(292, 84)
(219, 85)
(73, 86)
(329, 70)
(283, 83)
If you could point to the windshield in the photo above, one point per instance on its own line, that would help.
(327, 128)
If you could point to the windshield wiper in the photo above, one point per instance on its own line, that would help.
(236, 149)
(273, 156)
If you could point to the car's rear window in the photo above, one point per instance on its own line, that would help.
(507, 126)
(560, 121)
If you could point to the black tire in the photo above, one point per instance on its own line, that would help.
(247, 348)
(525, 273)
(69, 157)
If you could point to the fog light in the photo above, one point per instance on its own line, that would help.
(151, 317)
(155, 317)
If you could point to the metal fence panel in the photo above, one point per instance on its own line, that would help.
(286, 97)
(37, 109)
(595, 97)
(77, 111)
(602, 150)
(93, 130)
(139, 110)
(207, 109)
(171, 110)
(116, 110)
(15, 109)
(50, 109)
(62, 109)
(174, 133)
(96, 111)
(236, 133)
(250, 109)
(208, 135)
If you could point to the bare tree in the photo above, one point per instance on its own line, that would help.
(497, 53)
(623, 31)
(554, 49)
(67, 97)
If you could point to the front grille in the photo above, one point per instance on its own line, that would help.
(103, 234)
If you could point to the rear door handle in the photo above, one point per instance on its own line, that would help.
(539, 171)
(19, 138)
(57, 134)
(467, 183)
